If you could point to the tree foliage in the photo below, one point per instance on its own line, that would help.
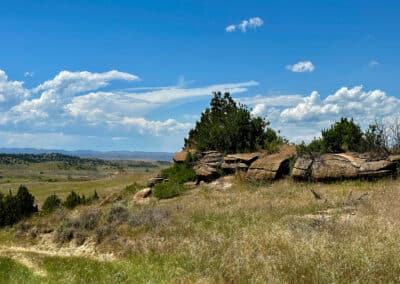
(346, 135)
(229, 127)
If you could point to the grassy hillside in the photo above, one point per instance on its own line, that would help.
(278, 232)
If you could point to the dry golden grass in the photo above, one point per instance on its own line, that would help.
(276, 232)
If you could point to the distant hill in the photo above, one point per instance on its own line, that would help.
(109, 155)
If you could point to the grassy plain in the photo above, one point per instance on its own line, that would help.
(43, 179)
(275, 232)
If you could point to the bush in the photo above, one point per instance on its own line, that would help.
(15, 208)
(167, 190)
(315, 146)
(228, 127)
(342, 136)
(51, 203)
(73, 200)
(179, 173)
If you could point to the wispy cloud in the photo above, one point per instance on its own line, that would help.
(301, 67)
(373, 63)
(245, 25)
(73, 103)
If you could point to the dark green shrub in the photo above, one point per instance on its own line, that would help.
(168, 190)
(179, 173)
(14, 208)
(73, 200)
(51, 203)
(315, 146)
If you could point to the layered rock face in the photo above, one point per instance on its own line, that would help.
(238, 162)
(208, 166)
(342, 166)
(272, 166)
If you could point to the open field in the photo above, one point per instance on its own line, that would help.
(45, 178)
(277, 232)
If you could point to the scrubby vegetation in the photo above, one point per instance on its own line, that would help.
(230, 128)
(175, 177)
(277, 232)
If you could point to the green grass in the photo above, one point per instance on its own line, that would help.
(248, 233)
(13, 272)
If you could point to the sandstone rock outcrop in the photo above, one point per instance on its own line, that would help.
(208, 166)
(341, 166)
(181, 156)
(272, 166)
(238, 162)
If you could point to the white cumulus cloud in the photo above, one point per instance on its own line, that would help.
(353, 102)
(246, 25)
(301, 67)
(11, 92)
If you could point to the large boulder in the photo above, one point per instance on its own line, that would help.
(272, 166)
(333, 166)
(342, 166)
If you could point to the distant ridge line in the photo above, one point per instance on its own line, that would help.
(105, 155)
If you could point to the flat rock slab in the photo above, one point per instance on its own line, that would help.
(394, 158)
(341, 166)
(246, 158)
(234, 166)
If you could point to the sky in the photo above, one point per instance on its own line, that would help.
(136, 75)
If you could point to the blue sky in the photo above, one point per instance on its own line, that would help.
(135, 75)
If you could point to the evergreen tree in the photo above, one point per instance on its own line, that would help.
(228, 127)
